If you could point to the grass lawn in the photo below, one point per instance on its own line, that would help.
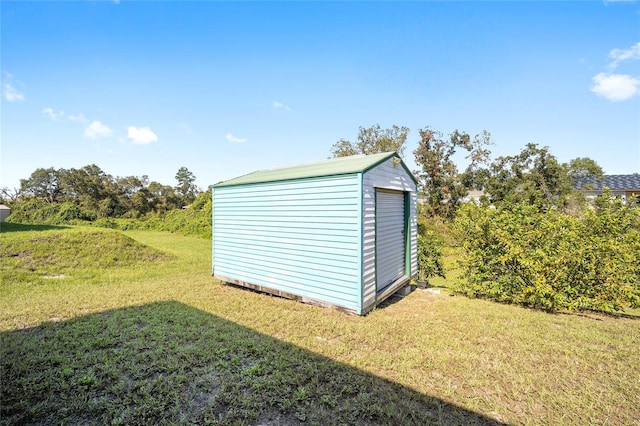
(103, 327)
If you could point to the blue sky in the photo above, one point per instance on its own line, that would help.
(226, 88)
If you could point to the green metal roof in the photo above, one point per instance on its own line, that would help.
(332, 167)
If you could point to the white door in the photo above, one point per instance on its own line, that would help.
(390, 238)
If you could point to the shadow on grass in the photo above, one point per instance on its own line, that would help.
(170, 363)
(599, 316)
(21, 227)
(391, 300)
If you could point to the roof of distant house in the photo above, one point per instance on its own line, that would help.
(613, 182)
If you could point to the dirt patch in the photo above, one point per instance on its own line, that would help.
(276, 419)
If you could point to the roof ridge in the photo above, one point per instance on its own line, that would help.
(331, 167)
(312, 163)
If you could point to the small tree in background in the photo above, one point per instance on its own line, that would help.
(534, 176)
(373, 140)
(442, 183)
(8, 195)
(186, 187)
(583, 168)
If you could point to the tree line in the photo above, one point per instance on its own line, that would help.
(533, 175)
(90, 193)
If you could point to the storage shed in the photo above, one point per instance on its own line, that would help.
(340, 232)
(4, 212)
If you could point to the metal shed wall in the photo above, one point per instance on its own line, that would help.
(4, 212)
(393, 176)
(298, 236)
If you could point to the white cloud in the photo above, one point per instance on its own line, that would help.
(12, 94)
(80, 118)
(619, 55)
(234, 139)
(55, 115)
(141, 135)
(52, 114)
(615, 87)
(9, 91)
(618, 87)
(277, 104)
(97, 130)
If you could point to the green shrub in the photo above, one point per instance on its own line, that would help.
(194, 220)
(38, 211)
(550, 260)
(429, 257)
(70, 211)
(431, 234)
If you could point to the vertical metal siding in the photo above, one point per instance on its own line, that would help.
(213, 231)
(390, 237)
(413, 224)
(301, 237)
(360, 255)
(389, 176)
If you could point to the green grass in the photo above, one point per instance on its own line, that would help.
(42, 254)
(167, 362)
(150, 337)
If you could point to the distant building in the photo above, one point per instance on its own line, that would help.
(473, 196)
(627, 187)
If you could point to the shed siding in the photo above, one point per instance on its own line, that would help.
(4, 212)
(300, 237)
(386, 175)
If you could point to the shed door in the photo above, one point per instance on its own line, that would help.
(390, 238)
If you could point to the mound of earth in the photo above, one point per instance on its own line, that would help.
(53, 253)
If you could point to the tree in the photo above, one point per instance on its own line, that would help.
(90, 186)
(584, 169)
(343, 148)
(133, 195)
(8, 194)
(440, 180)
(534, 176)
(163, 197)
(130, 185)
(373, 140)
(186, 187)
(44, 184)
